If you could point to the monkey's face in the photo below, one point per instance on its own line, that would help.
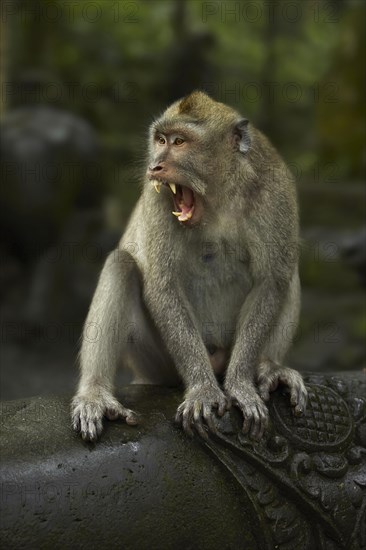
(194, 149)
(176, 169)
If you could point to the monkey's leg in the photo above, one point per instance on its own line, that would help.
(270, 372)
(102, 343)
(177, 324)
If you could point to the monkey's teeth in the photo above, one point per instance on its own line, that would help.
(157, 185)
(185, 217)
(176, 213)
(173, 187)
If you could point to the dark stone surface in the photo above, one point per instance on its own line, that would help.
(302, 487)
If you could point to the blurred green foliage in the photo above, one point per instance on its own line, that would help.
(294, 68)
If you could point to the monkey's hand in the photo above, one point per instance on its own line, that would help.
(244, 396)
(88, 410)
(197, 409)
(270, 376)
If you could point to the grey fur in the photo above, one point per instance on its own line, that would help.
(228, 282)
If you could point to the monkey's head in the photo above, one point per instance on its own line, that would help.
(195, 147)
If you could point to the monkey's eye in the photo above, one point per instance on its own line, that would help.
(178, 141)
(161, 140)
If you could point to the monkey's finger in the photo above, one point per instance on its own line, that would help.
(294, 397)
(187, 428)
(197, 411)
(301, 400)
(187, 421)
(221, 408)
(304, 397)
(247, 423)
(131, 420)
(298, 397)
(98, 425)
(76, 423)
(112, 414)
(247, 419)
(130, 417)
(197, 420)
(256, 424)
(207, 415)
(267, 384)
(83, 427)
(179, 414)
(91, 429)
(263, 391)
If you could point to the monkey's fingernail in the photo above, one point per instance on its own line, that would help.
(173, 187)
(131, 420)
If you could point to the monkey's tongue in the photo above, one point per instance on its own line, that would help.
(184, 201)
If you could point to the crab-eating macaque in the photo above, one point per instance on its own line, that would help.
(204, 288)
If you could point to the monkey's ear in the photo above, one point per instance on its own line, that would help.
(241, 135)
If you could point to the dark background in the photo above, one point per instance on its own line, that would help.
(81, 82)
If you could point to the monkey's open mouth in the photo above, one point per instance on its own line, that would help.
(183, 197)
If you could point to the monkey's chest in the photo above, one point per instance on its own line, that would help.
(216, 287)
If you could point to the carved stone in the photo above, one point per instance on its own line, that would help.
(302, 487)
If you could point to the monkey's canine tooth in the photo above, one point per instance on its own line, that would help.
(173, 187)
(157, 185)
(176, 213)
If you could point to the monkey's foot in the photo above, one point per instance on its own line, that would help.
(88, 410)
(255, 412)
(197, 409)
(270, 375)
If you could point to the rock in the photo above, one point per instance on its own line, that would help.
(151, 487)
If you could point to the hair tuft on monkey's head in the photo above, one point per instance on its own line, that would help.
(199, 105)
(193, 103)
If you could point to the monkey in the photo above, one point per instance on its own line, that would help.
(203, 289)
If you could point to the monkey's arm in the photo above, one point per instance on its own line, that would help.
(175, 320)
(256, 325)
(101, 346)
(256, 316)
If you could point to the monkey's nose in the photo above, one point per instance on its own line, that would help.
(156, 168)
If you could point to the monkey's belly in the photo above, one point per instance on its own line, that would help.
(216, 309)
